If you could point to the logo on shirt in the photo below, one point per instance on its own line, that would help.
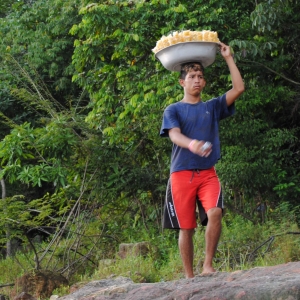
(171, 209)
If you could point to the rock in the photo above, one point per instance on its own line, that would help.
(280, 282)
(106, 262)
(135, 249)
(39, 283)
(24, 296)
(76, 286)
(101, 287)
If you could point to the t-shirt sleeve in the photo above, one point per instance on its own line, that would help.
(223, 110)
(170, 120)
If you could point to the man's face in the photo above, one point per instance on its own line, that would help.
(193, 83)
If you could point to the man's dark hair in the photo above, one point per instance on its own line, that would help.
(187, 67)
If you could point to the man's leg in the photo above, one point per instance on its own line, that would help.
(186, 247)
(212, 235)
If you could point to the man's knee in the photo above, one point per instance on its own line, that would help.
(215, 214)
(187, 232)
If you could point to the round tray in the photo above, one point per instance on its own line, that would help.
(174, 56)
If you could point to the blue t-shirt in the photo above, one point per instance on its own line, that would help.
(197, 121)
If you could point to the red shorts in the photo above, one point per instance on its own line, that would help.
(184, 190)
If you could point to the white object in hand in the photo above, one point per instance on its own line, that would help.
(205, 146)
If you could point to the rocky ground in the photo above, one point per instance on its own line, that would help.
(280, 282)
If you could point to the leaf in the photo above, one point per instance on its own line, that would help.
(135, 37)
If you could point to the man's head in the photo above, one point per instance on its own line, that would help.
(192, 79)
(190, 66)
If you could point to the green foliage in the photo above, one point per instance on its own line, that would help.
(139, 269)
(5, 7)
(107, 59)
(38, 33)
(244, 244)
(258, 153)
(33, 156)
(14, 214)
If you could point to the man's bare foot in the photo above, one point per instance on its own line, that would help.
(207, 270)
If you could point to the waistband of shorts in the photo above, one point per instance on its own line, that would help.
(198, 169)
(194, 170)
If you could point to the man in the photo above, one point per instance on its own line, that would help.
(193, 127)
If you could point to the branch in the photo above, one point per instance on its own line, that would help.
(6, 284)
(273, 71)
(232, 208)
(269, 241)
(3, 187)
(36, 258)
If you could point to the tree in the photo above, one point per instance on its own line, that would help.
(5, 7)
(273, 100)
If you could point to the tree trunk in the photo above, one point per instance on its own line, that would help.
(8, 243)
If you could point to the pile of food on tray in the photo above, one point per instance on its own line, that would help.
(186, 36)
